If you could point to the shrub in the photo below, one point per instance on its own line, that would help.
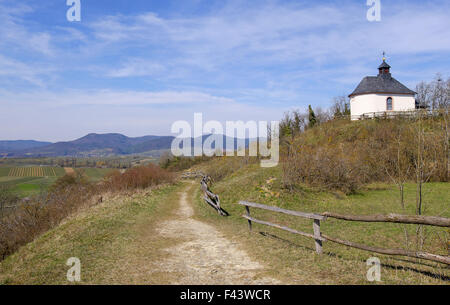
(7, 197)
(40, 213)
(138, 177)
(173, 163)
(343, 155)
(79, 178)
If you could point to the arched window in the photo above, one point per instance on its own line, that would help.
(389, 103)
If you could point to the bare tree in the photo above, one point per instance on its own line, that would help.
(399, 169)
(426, 162)
(340, 106)
(423, 96)
(434, 95)
(322, 115)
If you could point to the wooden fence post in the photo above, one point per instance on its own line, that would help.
(316, 227)
(249, 221)
(319, 237)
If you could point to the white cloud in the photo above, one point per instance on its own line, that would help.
(276, 32)
(109, 97)
(136, 67)
(14, 33)
(69, 115)
(13, 69)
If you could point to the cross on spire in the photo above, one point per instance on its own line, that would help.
(384, 56)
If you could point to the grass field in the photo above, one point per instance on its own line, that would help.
(96, 174)
(293, 257)
(29, 180)
(4, 171)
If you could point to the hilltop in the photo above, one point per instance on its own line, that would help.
(90, 145)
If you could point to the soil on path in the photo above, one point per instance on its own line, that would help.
(205, 256)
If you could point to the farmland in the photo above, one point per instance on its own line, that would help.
(29, 180)
(35, 171)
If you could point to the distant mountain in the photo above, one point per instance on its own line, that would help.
(113, 142)
(100, 145)
(93, 145)
(11, 146)
(158, 143)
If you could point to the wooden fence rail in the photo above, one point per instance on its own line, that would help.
(395, 218)
(209, 197)
(319, 237)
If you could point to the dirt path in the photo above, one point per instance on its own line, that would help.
(205, 256)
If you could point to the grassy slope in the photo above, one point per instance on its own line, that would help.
(108, 239)
(293, 257)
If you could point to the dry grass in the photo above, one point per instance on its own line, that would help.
(293, 259)
(147, 237)
(138, 177)
(67, 195)
(344, 155)
(114, 240)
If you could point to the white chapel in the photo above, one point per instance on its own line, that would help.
(381, 95)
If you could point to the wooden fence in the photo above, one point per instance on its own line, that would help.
(403, 114)
(319, 237)
(210, 198)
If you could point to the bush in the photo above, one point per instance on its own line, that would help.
(343, 155)
(41, 213)
(7, 197)
(138, 177)
(79, 178)
(173, 163)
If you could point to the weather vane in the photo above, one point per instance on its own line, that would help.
(384, 56)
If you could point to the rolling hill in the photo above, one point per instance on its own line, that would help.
(11, 146)
(94, 145)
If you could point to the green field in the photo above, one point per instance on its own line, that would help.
(96, 174)
(4, 171)
(29, 180)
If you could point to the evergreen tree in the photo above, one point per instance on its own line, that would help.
(312, 117)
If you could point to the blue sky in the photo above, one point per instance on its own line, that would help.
(135, 66)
